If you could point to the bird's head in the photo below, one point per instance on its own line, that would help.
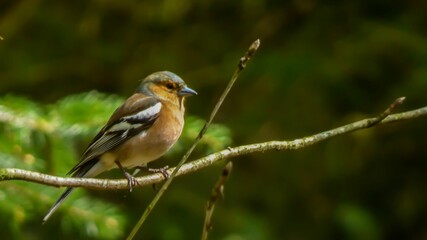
(165, 86)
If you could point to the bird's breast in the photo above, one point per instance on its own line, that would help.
(154, 142)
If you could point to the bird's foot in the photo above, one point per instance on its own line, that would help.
(162, 170)
(132, 182)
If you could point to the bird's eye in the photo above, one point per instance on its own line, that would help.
(170, 86)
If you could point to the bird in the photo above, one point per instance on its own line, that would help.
(139, 131)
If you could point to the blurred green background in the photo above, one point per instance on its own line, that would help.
(321, 64)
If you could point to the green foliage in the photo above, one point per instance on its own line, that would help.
(321, 64)
(48, 138)
(357, 223)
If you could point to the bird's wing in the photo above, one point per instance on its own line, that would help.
(136, 115)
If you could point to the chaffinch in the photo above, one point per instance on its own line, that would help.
(141, 130)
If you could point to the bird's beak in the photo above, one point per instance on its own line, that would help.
(186, 92)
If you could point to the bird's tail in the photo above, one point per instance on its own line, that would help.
(57, 203)
(81, 172)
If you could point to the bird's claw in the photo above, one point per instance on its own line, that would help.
(131, 179)
(162, 170)
(132, 182)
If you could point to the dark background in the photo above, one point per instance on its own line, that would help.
(321, 64)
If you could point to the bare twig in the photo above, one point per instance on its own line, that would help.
(252, 49)
(388, 111)
(217, 191)
(109, 184)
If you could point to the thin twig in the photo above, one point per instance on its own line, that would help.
(388, 111)
(252, 49)
(110, 184)
(217, 191)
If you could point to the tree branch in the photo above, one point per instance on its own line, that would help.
(109, 184)
(217, 191)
